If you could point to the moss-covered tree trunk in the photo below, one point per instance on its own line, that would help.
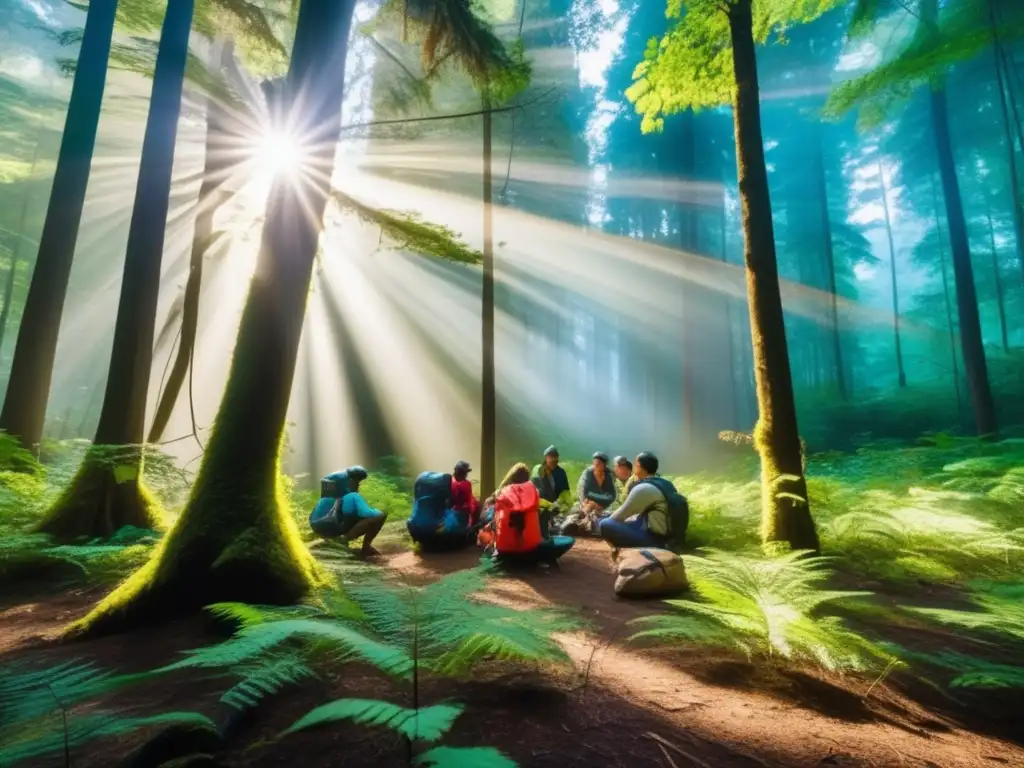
(235, 539)
(488, 383)
(28, 388)
(786, 514)
(106, 494)
(901, 374)
(217, 163)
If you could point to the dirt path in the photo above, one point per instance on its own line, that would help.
(805, 720)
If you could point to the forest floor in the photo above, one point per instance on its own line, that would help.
(621, 705)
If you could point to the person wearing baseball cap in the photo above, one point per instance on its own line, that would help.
(463, 500)
(595, 492)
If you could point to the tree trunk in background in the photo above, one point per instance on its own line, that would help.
(998, 277)
(691, 318)
(488, 386)
(825, 222)
(945, 297)
(101, 499)
(901, 375)
(786, 514)
(1011, 152)
(735, 400)
(216, 167)
(971, 345)
(235, 540)
(12, 273)
(28, 389)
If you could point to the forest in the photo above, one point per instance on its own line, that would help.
(270, 269)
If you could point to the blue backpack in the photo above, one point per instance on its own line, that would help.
(678, 509)
(432, 495)
(326, 520)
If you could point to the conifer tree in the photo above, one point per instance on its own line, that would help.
(707, 59)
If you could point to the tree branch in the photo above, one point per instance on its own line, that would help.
(457, 116)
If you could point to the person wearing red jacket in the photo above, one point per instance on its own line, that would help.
(463, 500)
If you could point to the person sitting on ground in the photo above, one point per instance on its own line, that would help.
(434, 523)
(463, 500)
(553, 486)
(654, 514)
(595, 492)
(624, 481)
(516, 529)
(342, 513)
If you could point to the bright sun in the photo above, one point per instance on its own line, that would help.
(277, 153)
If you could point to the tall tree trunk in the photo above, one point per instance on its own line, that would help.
(786, 514)
(1011, 153)
(972, 347)
(101, 499)
(12, 273)
(998, 277)
(734, 397)
(945, 297)
(28, 389)
(691, 313)
(217, 163)
(825, 222)
(901, 375)
(488, 386)
(235, 540)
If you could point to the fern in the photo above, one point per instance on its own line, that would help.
(265, 678)
(424, 724)
(465, 757)
(767, 607)
(1000, 611)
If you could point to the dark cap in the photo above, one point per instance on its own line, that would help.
(356, 473)
(622, 461)
(601, 456)
(462, 466)
(551, 451)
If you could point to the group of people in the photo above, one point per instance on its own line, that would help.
(531, 517)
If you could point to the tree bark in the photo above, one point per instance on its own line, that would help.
(825, 221)
(901, 374)
(945, 297)
(235, 539)
(971, 345)
(28, 389)
(786, 514)
(998, 277)
(101, 499)
(217, 163)
(488, 386)
(12, 273)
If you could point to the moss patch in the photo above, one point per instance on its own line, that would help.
(104, 496)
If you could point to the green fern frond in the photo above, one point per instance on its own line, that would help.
(265, 678)
(425, 724)
(465, 757)
(253, 641)
(25, 695)
(1000, 611)
(81, 730)
(768, 606)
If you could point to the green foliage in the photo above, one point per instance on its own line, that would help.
(464, 757)
(425, 723)
(999, 611)
(408, 232)
(691, 67)
(265, 678)
(14, 458)
(767, 607)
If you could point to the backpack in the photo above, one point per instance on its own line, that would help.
(432, 496)
(649, 572)
(326, 519)
(678, 508)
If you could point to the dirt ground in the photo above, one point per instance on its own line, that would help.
(622, 706)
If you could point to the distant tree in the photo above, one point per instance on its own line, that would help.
(708, 58)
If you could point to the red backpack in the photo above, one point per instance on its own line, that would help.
(517, 519)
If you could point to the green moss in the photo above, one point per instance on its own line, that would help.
(226, 546)
(104, 496)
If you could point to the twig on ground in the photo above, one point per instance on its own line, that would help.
(668, 757)
(678, 750)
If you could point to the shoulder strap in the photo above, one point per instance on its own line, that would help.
(654, 562)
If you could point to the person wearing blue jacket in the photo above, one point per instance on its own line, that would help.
(342, 513)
